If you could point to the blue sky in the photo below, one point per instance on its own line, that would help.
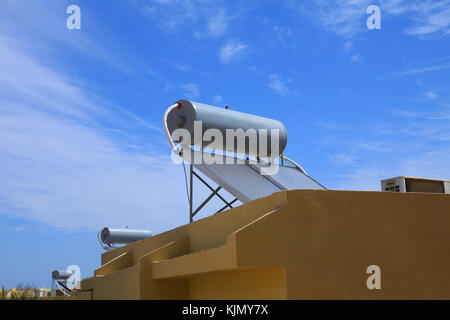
(81, 138)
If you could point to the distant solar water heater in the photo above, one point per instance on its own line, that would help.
(59, 282)
(186, 124)
(108, 237)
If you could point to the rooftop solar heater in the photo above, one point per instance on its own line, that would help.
(244, 178)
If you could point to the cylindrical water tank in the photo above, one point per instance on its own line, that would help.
(61, 275)
(123, 236)
(184, 115)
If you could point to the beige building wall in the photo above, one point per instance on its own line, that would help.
(259, 283)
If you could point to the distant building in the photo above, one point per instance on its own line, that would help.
(44, 292)
(415, 184)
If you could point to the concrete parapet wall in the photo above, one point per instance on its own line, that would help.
(299, 244)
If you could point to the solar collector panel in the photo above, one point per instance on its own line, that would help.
(244, 180)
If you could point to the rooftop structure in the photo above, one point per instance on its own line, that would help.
(290, 239)
(415, 184)
(299, 244)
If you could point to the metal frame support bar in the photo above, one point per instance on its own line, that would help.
(191, 193)
(215, 192)
(210, 188)
(206, 201)
(228, 205)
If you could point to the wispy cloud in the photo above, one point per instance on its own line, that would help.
(341, 17)
(330, 126)
(217, 99)
(72, 176)
(280, 86)
(191, 90)
(218, 23)
(18, 228)
(68, 161)
(431, 95)
(431, 18)
(18, 74)
(411, 142)
(283, 35)
(342, 159)
(201, 18)
(182, 67)
(231, 51)
(348, 45)
(347, 17)
(413, 71)
(432, 66)
(357, 58)
(368, 176)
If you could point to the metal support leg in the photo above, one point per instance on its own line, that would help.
(206, 201)
(210, 188)
(215, 192)
(227, 205)
(191, 194)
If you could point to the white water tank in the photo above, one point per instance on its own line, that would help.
(123, 236)
(187, 112)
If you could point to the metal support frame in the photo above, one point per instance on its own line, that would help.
(107, 246)
(59, 285)
(191, 193)
(214, 192)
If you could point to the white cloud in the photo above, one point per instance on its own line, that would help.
(182, 67)
(348, 45)
(412, 143)
(33, 21)
(280, 86)
(19, 74)
(191, 90)
(201, 18)
(218, 23)
(347, 17)
(431, 18)
(231, 51)
(341, 17)
(342, 159)
(60, 167)
(434, 164)
(425, 69)
(330, 126)
(64, 174)
(283, 35)
(357, 58)
(164, 1)
(431, 95)
(217, 99)
(434, 65)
